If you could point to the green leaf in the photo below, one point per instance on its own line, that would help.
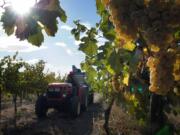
(107, 27)
(110, 70)
(90, 71)
(52, 6)
(134, 61)
(8, 20)
(73, 31)
(89, 48)
(177, 34)
(25, 27)
(77, 31)
(77, 35)
(37, 38)
(48, 19)
(62, 15)
(115, 62)
(100, 55)
(44, 13)
(110, 34)
(100, 7)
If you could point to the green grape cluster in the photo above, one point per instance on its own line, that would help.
(161, 68)
(156, 20)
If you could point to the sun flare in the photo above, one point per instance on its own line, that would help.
(22, 6)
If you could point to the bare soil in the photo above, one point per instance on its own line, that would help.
(55, 124)
(89, 123)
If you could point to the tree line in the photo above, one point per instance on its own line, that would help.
(21, 80)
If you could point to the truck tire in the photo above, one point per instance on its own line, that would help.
(75, 107)
(41, 107)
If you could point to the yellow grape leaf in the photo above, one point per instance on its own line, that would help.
(126, 79)
(154, 48)
(110, 70)
(129, 46)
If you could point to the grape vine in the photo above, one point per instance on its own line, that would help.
(140, 34)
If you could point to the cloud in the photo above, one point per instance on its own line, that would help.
(69, 51)
(12, 44)
(101, 41)
(32, 61)
(87, 24)
(65, 47)
(57, 69)
(61, 44)
(100, 38)
(66, 27)
(77, 42)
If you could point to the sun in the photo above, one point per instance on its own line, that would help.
(22, 7)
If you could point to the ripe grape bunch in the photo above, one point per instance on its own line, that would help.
(161, 72)
(157, 20)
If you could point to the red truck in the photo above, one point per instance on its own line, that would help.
(72, 96)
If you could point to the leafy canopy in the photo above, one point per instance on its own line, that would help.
(43, 16)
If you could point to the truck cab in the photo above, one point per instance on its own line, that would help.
(71, 95)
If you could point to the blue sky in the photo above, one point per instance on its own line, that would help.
(61, 51)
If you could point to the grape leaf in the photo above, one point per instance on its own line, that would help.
(115, 62)
(8, 20)
(44, 12)
(90, 71)
(89, 47)
(100, 7)
(25, 27)
(48, 19)
(130, 46)
(52, 6)
(177, 34)
(37, 38)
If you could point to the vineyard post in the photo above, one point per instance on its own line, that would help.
(15, 107)
(107, 113)
(21, 97)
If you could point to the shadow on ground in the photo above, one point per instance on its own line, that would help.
(57, 124)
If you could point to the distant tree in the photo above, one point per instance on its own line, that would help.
(50, 77)
(2, 68)
(12, 78)
(35, 77)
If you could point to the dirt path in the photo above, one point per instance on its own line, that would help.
(55, 124)
(89, 123)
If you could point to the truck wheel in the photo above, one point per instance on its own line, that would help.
(85, 103)
(41, 107)
(75, 106)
